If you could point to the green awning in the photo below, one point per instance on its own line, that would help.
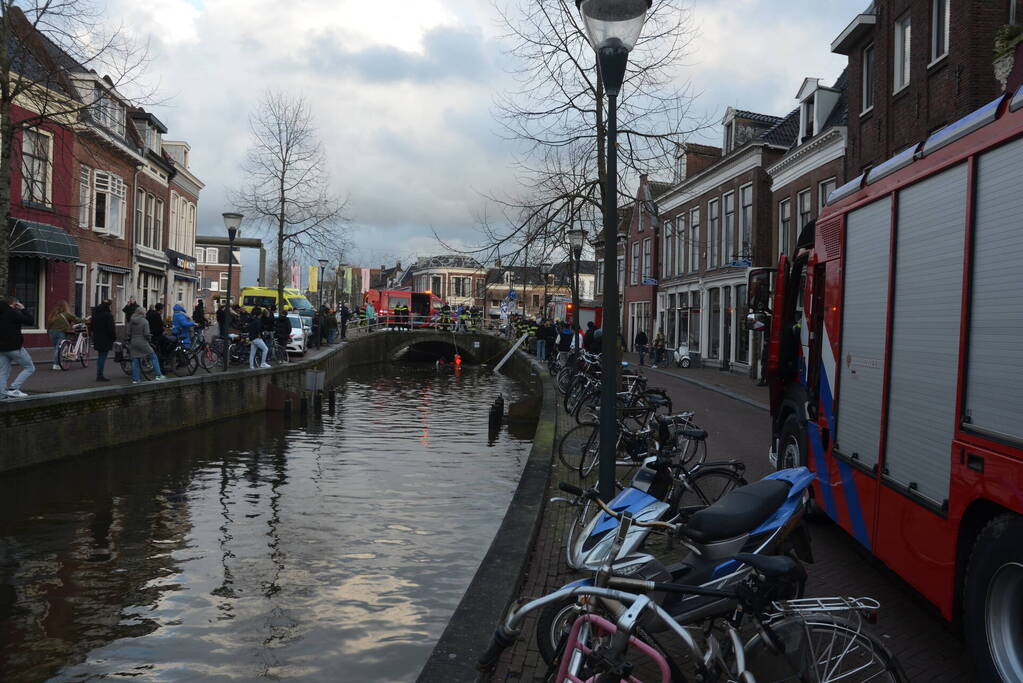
(39, 240)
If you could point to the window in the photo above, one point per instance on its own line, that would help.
(1015, 11)
(200, 255)
(939, 28)
(784, 225)
(746, 222)
(25, 280)
(172, 239)
(463, 286)
(826, 188)
(647, 257)
(600, 276)
(694, 240)
(728, 250)
(714, 326)
(35, 167)
(804, 208)
(807, 118)
(80, 303)
(103, 282)
(683, 318)
(634, 273)
(158, 225)
(435, 284)
(140, 212)
(621, 274)
(729, 136)
(223, 282)
(666, 251)
(150, 201)
(84, 193)
(714, 217)
(867, 79)
(109, 112)
(742, 336)
(680, 245)
(150, 288)
(902, 45)
(694, 321)
(108, 215)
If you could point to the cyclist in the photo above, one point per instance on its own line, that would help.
(181, 326)
(59, 325)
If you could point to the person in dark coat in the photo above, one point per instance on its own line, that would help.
(104, 333)
(640, 345)
(139, 335)
(254, 329)
(282, 329)
(343, 316)
(588, 337)
(199, 315)
(13, 317)
(129, 308)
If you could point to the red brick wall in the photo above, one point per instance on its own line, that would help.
(936, 96)
(812, 180)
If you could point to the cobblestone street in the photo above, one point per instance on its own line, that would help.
(928, 649)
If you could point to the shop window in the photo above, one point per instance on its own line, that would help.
(25, 282)
(695, 312)
(714, 325)
(742, 337)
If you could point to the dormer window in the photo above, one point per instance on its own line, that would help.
(680, 167)
(729, 136)
(808, 119)
(108, 112)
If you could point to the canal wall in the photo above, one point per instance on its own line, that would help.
(48, 427)
(500, 575)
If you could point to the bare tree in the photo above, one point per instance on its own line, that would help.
(51, 48)
(287, 190)
(557, 114)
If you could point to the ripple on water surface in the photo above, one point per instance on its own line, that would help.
(332, 551)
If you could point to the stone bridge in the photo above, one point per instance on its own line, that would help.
(475, 348)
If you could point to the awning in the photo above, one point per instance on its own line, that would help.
(39, 240)
(151, 270)
(186, 278)
(113, 269)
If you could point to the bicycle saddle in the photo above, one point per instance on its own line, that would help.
(695, 434)
(738, 512)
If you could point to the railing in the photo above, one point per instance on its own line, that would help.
(419, 323)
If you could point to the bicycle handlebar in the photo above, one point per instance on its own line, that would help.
(592, 494)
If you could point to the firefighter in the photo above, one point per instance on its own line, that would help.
(463, 319)
(445, 316)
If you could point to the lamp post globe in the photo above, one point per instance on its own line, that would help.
(233, 223)
(613, 28)
(576, 239)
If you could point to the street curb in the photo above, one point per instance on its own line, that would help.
(715, 388)
(500, 574)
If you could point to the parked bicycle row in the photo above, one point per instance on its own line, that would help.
(689, 572)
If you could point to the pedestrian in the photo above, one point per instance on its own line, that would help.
(316, 333)
(330, 318)
(255, 332)
(199, 315)
(282, 328)
(658, 348)
(371, 315)
(639, 345)
(13, 317)
(181, 326)
(129, 308)
(564, 339)
(139, 336)
(104, 333)
(588, 336)
(343, 316)
(598, 340)
(59, 325)
(221, 316)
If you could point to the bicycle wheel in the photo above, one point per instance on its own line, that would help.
(64, 357)
(206, 358)
(83, 355)
(564, 379)
(821, 647)
(575, 446)
(705, 486)
(588, 409)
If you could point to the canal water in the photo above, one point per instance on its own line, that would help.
(332, 550)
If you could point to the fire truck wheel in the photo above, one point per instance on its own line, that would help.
(993, 600)
(792, 444)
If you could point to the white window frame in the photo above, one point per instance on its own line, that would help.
(47, 170)
(666, 251)
(823, 192)
(1014, 16)
(115, 190)
(745, 222)
(621, 274)
(941, 16)
(599, 284)
(81, 277)
(680, 244)
(200, 255)
(84, 197)
(902, 53)
(784, 224)
(799, 209)
(728, 228)
(634, 264)
(103, 285)
(694, 240)
(158, 225)
(139, 216)
(867, 79)
(172, 238)
(648, 257)
(714, 231)
(222, 282)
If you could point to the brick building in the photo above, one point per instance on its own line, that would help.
(182, 278)
(716, 225)
(642, 261)
(456, 279)
(814, 165)
(211, 259)
(151, 197)
(914, 67)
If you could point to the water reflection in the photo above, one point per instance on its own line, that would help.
(252, 549)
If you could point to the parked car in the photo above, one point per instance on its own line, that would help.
(299, 335)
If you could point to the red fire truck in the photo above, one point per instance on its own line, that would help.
(422, 305)
(895, 365)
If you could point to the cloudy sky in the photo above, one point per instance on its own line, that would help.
(403, 93)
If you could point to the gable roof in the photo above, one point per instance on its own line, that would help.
(754, 116)
(784, 132)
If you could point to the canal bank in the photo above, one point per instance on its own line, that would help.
(49, 427)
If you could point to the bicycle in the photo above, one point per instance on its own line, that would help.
(77, 350)
(276, 352)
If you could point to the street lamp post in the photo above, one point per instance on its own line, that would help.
(576, 239)
(613, 27)
(233, 222)
(319, 284)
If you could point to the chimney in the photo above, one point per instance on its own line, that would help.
(383, 267)
(642, 178)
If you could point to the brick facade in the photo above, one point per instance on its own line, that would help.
(939, 91)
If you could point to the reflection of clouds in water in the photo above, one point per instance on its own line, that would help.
(378, 606)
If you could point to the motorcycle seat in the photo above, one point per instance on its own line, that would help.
(739, 512)
(773, 566)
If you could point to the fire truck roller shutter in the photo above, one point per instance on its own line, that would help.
(994, 369)
(930, 238)
(864, 313)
